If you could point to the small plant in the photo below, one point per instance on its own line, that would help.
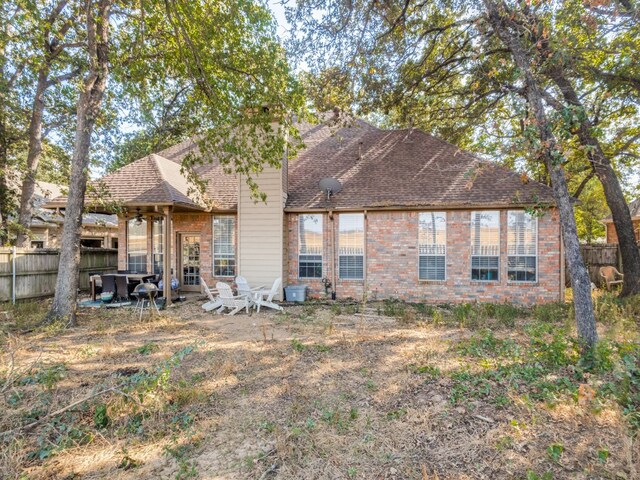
(186, 469)
(352, 472)
(268, 426)
(531, 475)
(396, 414)
(352, 309)
(461, 312)
(128, 462)
(321, 347)
(430, 371)
(554, 451)
(393, 307)
(506, 314)
(327, 285)
(297, 345)
(100, 416)
(603, 455)
(551, 312)
(505, 442)
(50, 375)
(148, 348)
(310, 423)
(310, 308)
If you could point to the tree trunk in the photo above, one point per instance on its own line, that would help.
(89, 106)
(502, 23)
(611, 186)
(5, 191)
(33, 158)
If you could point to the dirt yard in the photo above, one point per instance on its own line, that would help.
(385, 391)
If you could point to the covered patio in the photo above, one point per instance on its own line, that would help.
(157, 213)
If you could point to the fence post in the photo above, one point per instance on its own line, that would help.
(13, 275)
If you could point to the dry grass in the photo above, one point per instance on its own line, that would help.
(317, 392)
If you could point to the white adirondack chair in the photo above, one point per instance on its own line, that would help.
(264, 298)
(214, 303)
(233, 303)
(245, 289)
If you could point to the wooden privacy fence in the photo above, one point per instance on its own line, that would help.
(599, 255)
(36, 270)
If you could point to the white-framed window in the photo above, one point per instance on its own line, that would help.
(351, 246)
(137, 245)
(432, 245)
(485, 245)
(522, 246)
(224, 246)
(310, 246)
(157, 244)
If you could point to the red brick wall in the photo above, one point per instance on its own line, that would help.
(391, 259)
(612, 236)
(392, 262)
(199, 224)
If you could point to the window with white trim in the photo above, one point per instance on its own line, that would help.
(137, 245)
(157, 244)
(485, 245)
(522, 246)
(310, 246)
(351, 246)
(224, 246)
(432, 245)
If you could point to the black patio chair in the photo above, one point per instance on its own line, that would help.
(122, 288)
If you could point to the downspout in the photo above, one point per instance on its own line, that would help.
(364, 259)
(333, 250)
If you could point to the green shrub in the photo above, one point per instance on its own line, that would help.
(485, 344)
(552, 312)
(393, 307)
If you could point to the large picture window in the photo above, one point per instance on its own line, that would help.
(522, 247)
(485, 245)
(157, 244)
(310, 246)
(432, 245)
(224, 246)
(351, 246)
(137, 245)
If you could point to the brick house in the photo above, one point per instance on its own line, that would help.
(634, 209)
(416, 219)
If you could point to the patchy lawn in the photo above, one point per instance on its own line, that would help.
(341, 391)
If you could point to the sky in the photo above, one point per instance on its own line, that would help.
(277, 7)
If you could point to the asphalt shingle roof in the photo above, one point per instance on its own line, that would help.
(377, 169)
(634, 210)
(400, 168)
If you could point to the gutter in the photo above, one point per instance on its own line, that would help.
(416, 208)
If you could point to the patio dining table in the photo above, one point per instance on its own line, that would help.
(131, 278)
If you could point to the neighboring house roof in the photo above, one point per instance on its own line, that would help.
(377, 169)
(400, 168)
(43, 217)
(634, 210)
